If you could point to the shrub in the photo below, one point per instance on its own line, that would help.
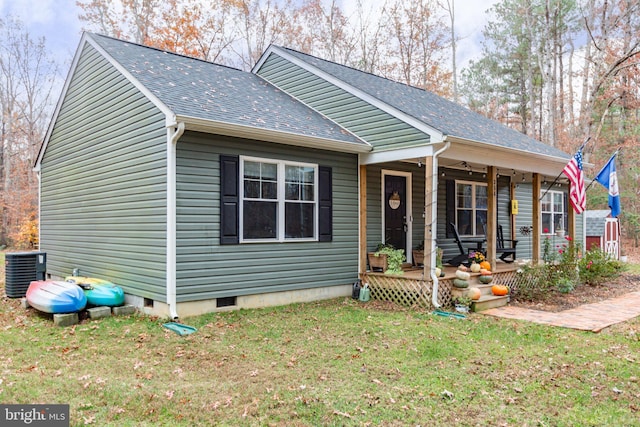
(596, 267)
(564, 269)
(533, 282)
(565, 285)
(26, 235)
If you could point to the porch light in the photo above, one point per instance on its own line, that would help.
(466, 166)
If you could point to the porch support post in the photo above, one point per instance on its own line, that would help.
(512, 196)
(571, 222)
(429, 217)
(492, 214)
(363, 219)
(536, 218)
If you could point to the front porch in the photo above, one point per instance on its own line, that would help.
(412, 289)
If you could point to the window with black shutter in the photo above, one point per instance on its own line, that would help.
(274, 200)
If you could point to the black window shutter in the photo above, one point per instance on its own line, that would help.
(229, 200)
(451, 205)
(325, 191)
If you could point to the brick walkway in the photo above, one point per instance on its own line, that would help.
(589, 317)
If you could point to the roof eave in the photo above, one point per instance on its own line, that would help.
(262, 134)
(505, 157)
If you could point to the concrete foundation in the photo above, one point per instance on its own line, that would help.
(196, 308)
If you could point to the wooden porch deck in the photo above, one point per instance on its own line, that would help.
(412, 289)
(412, 272)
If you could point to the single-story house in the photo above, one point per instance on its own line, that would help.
(602, 231)
(199, 187)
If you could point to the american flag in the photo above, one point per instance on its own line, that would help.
(573, 171)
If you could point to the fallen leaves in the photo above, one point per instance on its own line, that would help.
(342, 414)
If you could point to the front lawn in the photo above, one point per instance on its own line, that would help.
(337, 362)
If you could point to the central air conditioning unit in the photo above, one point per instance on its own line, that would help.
(21, 268)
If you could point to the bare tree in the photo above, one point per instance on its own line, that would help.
(449, 7)
(260, 23)
(614, 34)
(370, 36)
(419, 41)
(324, 30)
(27, 79)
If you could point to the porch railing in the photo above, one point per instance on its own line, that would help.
(416, 292)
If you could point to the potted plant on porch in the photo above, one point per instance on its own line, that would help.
(418, 254)
(387, 259)
(462, 303)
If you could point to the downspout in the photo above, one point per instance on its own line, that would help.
(434, 207)
(173, 134)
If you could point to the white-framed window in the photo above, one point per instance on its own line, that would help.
(471, 208)
(278, 200)
(553, 212)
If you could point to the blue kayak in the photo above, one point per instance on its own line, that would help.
(99, 292)
(54, 296)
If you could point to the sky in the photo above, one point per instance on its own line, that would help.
(57, 20)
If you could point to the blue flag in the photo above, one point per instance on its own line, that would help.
(609, 179)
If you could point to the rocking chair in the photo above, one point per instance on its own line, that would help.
(463, 257)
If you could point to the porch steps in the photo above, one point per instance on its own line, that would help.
(487, 299)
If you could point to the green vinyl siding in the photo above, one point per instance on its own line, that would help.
(525, 219)
(103, 182)
(380, 129)
(374, 202)
(206, 270)
(447, 243)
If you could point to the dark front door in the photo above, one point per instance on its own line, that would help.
(395, 213)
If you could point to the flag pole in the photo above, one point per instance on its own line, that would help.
(560, 174)
(593, 180)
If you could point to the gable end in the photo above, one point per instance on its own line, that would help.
(379, 128)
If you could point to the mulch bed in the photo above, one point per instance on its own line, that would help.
(583, 294)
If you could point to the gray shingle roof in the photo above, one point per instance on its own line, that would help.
(447, 117)
(200, 89)
(596, 222)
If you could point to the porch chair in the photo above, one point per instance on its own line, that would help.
(506, 252)
(463, 257)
